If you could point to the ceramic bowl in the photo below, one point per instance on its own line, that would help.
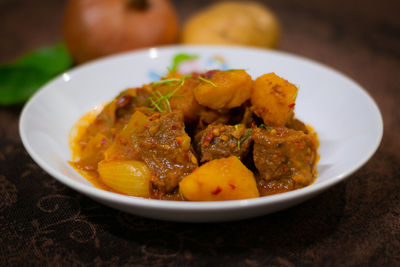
(345, 117)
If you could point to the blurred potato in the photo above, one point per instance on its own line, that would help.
(233, 23)
(221, 179)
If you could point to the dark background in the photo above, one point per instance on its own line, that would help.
(355, 223)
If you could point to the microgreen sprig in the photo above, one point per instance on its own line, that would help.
(167, 81)
(295, 95)
(262, 125)
(108, 120)
(233, 69)
(158, 100)
(241, 141)
(179, 59)
(207, 81)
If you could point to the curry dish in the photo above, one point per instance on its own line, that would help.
(218, 135)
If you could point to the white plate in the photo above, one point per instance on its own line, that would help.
(346, 118)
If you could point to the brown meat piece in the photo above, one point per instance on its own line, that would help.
(286, 155)
(297, 125)
(165, 147)
(241, 115)
(131, 98)
(209, 116)
(221, 141)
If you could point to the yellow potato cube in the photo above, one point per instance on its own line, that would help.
(220, 179)
(183, 99)
(224, 89)
(273, 99)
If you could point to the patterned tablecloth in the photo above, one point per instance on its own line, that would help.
(355, 223)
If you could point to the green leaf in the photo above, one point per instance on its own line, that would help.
(22, 78)
(179, 59)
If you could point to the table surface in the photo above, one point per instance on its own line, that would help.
(357, 222)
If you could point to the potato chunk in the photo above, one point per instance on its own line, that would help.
(224, 89)
(273, 99)
(220, 179)
(183, 98)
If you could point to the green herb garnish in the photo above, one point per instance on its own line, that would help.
(244, 138)
(160, 102)
(207, 81)
(155, 105)
(108, 120)
(262, 125)
(233, 69)
(181, 196)
(179, 59)
(295, 95)
(167, 81)
(23, 77)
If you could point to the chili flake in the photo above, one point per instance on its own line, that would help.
(298, 144)
(216, 191)
(284, 169)
(155, 116)
(208, 139)
(179, 140)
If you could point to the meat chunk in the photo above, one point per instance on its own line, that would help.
(286, 155)
(297, 125)
(165, 148)
(211, 116)
(162, 143)
(221, 141)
